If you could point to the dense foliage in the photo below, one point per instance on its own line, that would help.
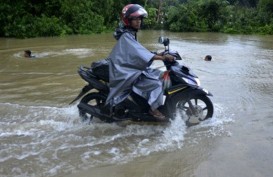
(252, 16)
(31, 18)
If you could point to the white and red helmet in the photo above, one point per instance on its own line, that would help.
(131, 11)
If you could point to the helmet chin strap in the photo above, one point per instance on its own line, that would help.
(134, 30)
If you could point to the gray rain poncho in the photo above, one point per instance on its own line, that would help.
(129, 70)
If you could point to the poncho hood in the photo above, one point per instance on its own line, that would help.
(121, 30)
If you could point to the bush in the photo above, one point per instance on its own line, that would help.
(185, 19)
(47, 26)
(267, 29)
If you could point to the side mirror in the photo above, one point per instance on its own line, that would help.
(163, 40)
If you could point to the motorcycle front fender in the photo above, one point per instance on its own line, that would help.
(205, 91)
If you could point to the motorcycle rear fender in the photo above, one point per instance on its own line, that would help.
(186, 87)
(84, 90)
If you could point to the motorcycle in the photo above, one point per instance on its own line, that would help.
(182, 92)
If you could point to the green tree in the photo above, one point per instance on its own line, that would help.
(151, 21)
(80, 17)
(31, 18)
(266, 6)
(210, 12)
(183, 18)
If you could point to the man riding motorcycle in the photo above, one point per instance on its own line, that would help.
(129, 64)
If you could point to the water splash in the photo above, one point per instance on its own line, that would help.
(54, 141)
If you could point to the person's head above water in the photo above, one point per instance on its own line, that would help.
(208, 58)
(27, 54)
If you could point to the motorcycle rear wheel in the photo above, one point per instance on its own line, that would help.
(192, 109)
(95, 100)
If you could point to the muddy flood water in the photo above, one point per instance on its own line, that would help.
(42, 135)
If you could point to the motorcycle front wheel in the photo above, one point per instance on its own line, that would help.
(192, 109)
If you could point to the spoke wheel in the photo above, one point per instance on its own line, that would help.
(193, 109)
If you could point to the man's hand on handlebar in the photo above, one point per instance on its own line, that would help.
(166, 57)
(169, 58)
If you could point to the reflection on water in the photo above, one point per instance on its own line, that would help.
(41, 135)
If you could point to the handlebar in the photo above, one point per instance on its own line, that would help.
(166, 42)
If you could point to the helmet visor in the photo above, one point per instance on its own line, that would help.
(139, 13)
